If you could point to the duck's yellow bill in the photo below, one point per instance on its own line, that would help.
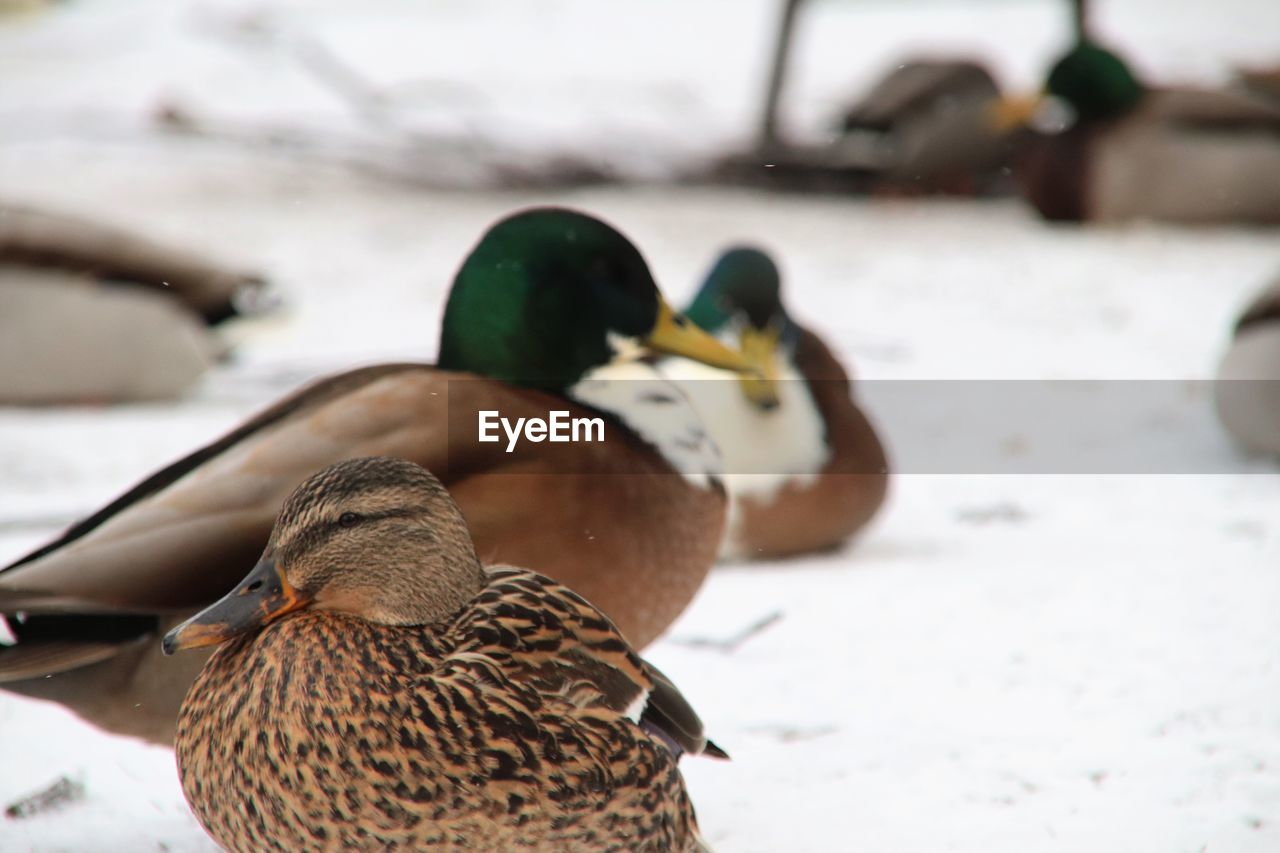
(262, 597)
(760, 347)
(1014, 111)
(675, 334)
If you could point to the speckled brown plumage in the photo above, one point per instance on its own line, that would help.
(512, 723)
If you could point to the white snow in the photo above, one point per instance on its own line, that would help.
(1001, 664)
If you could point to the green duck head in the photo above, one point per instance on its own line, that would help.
(742, 295)
(549, 294)
(1095, 82)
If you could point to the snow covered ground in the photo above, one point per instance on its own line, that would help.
(1001, 664)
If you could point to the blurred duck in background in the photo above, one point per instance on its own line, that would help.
(1247, 393)
(1107, 146)
(95, 314)
(804, 467)
(550, 311)
(1264, 81)
(927, 127)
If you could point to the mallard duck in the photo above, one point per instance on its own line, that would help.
(1131, 151)
(926, 127)
(90, 313)
(1247, 393)
(804, 467)
(376, 687)
(547, 313)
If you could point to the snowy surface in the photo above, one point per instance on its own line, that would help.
(1000, 664)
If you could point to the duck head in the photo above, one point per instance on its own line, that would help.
(378, 538)
(1093, 82)
(549, 294)
(741, 298)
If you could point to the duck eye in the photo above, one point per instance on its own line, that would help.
(348, 519)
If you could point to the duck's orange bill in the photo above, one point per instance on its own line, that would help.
(1015, 111)
(262, 597)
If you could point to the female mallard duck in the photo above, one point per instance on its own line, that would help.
(1131, 151)
(546, 314)
(1247, 393)
(377, 688)
(804, 467)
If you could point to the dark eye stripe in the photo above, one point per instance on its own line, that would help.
(350, 519)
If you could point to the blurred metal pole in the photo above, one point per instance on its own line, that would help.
(1079, 18)
(782, 50)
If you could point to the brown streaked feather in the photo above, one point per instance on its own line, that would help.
(536, 613)
(478, 733)
(598, 658)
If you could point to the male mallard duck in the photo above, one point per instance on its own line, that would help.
(90, 313)
(546, 314)
(376, 687)
(1247, 393)
(1131, 151)
(804, 467)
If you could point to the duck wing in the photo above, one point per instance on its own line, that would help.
(1214, 109)
(185, 534)
(562, 645)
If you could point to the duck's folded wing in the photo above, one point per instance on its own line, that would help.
(1216, 109)
(187, 533)
(668, 713)
(565, 646)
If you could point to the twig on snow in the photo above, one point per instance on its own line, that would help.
(59, 795)
(729, 645)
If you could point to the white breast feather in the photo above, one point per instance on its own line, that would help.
(763, 450)
(658, 412)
